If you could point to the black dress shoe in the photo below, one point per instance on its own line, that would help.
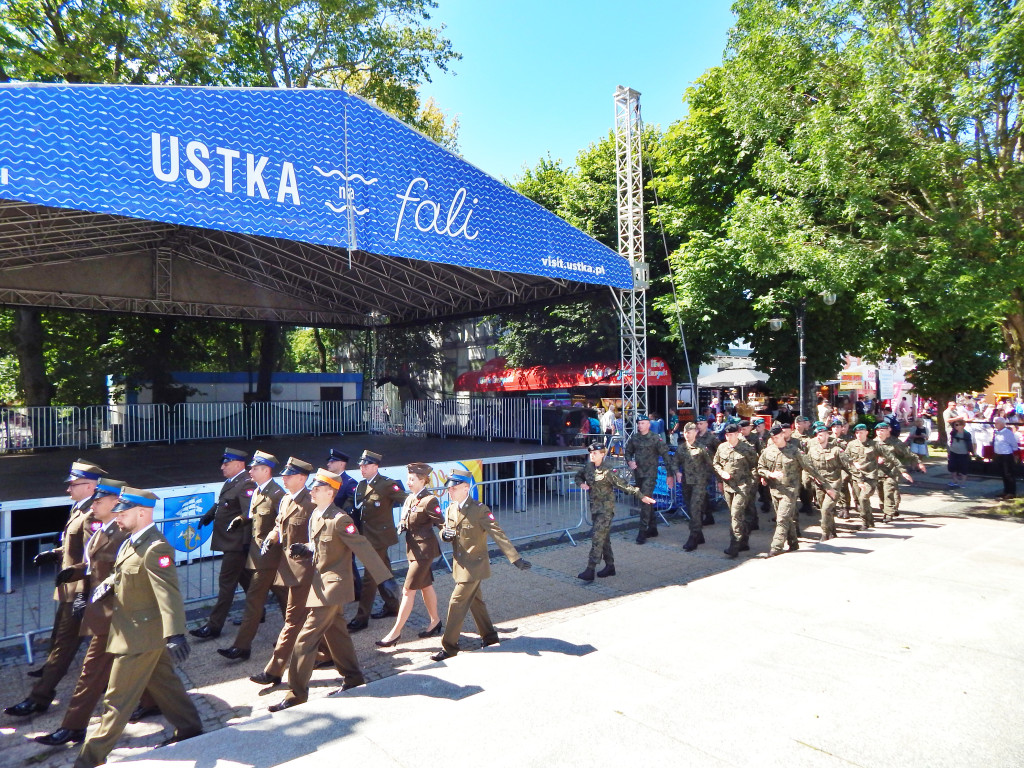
(286, 704)
(36, 672)
(435, 631)
(641, 537)
(357, 625)
(384, 613)
(441, 655)
(691, 543)
(652, 532)
(489, 641)
(387, 643)
(179, 737)
(264, 679)
(348, 685)
(205, 632)
(62, 736)
(25, 708)
(141, 712)
(234, 653)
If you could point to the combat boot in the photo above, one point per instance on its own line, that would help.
(652, 531)
(641, 536)
(733, 550)
(794, 546)
(608, 570)
(694, 540)
(744, 544)
(709, 519)
(587, 575)
(753, 525)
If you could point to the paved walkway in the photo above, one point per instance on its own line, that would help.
(897, 647)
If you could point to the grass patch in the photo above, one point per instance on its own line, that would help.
(1013, 508)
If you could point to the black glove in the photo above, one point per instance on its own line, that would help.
(523, 565)
(47, 557)
(449, 534)
(299, 551)
(206, 519)
(178, 647)
(66, 575)
(234, 524)
(390, 588)
(101, 591)
(78, 607)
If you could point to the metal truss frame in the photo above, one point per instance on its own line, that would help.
(631, 304)
(316, 285)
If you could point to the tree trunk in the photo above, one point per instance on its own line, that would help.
(269, 348)
(29, 337)
(1012, 327)
(321, 349)
(941, 401)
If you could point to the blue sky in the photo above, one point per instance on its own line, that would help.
(538, 77)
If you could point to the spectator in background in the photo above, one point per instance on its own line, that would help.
(948, 414)
(824, 410)
(617, 444)
(890, 418)
(958, 459)
(919, 437)
(1004, 449)
(607, 423)
(658, 425)
(713, 406)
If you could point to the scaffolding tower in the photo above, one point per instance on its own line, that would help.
(632, 304)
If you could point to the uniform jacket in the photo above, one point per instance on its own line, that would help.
(828, 460)
(375, 500)
(72, 549)
(739, 463)
(421, 514)
(335, 538)
(862, 460)
(233, 502)
(645, 450)
(344, 499)
(473, 522)
(753, 441)
(263, 514)
(146, 602)
(710, 441)
(603, 481)
(695, 462)
(898, 454)
(293, 528)
(102, 549)
(791, 461)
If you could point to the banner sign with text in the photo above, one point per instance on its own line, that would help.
(311, 165)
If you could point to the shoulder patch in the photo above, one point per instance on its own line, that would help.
(250, 492)
(394, 487)
(164, 561)
(96, 525)
(490, 515)
(350, 529)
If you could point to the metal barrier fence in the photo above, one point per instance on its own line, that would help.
(515, 418)
(40, 427)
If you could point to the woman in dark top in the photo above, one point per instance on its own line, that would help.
(420, 514)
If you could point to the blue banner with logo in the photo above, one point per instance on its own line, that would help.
(184, 534)
(318, 166)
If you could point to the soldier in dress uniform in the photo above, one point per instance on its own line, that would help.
(735, 462)
(147, 629)
(695, 465)
(642, 452)
(889, 476)
(105, 538)
(337, 462)
(376, 497)
(780, 464)
(64, 639)
(863, 461)
(601, 482)
(231, 536)
(467, 524)
(332, 540)
(826, 454)
(260, 565)
(294, 576)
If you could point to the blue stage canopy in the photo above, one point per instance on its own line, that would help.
(315, 166)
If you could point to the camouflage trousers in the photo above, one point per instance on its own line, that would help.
(646, 482)
(737, 501)
(785, 518)
(889, 496)
(828, 505)
(600, 540)
(865, 489)
(696, 498)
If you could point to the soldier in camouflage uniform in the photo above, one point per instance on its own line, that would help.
(828, 458)
(750, 437)
(803, 436)
(763, 438)
(863, 460)
(838, 430)
(710, 441)
(601, 481)
(695, 465)
(735, 462)
(642, 452)
(781, 464)
(889, 478)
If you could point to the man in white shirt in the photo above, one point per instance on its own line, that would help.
(1004, 448)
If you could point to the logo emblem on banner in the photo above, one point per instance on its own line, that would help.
(181, 526)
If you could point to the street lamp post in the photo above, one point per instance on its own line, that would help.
(828, 299)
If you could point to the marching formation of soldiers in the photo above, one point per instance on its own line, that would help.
(118, 585)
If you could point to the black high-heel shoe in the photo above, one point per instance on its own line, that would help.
(434, 631)
(387, 643)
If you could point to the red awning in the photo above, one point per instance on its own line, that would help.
(495, 377)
